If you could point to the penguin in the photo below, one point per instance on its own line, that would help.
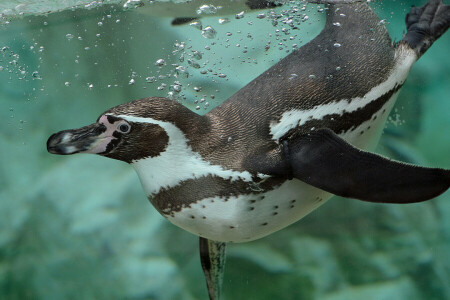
(282, 145)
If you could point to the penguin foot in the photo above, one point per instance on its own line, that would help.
(426, 24)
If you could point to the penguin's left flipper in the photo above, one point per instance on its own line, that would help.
(324, 160)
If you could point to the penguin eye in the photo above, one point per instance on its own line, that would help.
(124, 128)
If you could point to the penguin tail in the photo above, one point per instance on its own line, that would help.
(426, 24)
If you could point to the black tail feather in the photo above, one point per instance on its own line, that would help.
(426, 24)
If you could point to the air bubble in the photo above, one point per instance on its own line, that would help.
(150, 79)
(240, 15)
(69, 36)
(337, 45)
(196, 24)
(130, 4)
(197, 55)
(207, 9)
(194, 64)
(224, 21)
(160, 62)
(209, 32)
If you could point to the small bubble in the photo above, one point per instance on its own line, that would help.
(337, 45)
(36, 75)
(337, 24)
(240, 15)
(69, 36)
(131, 82)
(207, 9)
(160, 62)
(197, 55)
(338, 68)
(130, 4)
(162, 87)
(209, 32)
(194, 64)
(197, 107)
(222, 75)
(196, 24)
(67, 83)
(180, 70)
(150, 79)
(224, 21)
(261, 16)
(312, 76)
(293, 76)
(90, 86)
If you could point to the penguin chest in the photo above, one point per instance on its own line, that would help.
(249, 216)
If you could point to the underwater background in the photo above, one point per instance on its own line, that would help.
(80, 227)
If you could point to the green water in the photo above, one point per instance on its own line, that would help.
(80, 227)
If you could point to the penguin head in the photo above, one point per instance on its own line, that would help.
(128, 132)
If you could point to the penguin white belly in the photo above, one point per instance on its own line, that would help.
(252, 216)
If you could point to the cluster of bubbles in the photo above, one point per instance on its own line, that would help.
(285, 21)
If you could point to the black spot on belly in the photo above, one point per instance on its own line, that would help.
(192, 217)
(252, 201)
(251, 208)
(274, 214)
(374, 117)
(293, 201)
(231, 227)
(264, 224)
(275, 207)
(203, 217)
(262, 197)
(361, 132)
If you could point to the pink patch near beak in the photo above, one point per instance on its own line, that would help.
(105, 138)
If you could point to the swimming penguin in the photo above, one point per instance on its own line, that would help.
(282, 145)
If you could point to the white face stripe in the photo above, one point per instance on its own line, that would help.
(295, 117)
(177, 163)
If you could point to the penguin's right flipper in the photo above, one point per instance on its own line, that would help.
(426, 24)
(324, 160)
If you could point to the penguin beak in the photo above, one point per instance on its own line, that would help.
(88, 139)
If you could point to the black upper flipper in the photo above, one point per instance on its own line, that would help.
(326, 161)
(426, 24)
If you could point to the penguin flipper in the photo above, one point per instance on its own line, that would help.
(324, 160)
(212, 257)
(426, 24)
